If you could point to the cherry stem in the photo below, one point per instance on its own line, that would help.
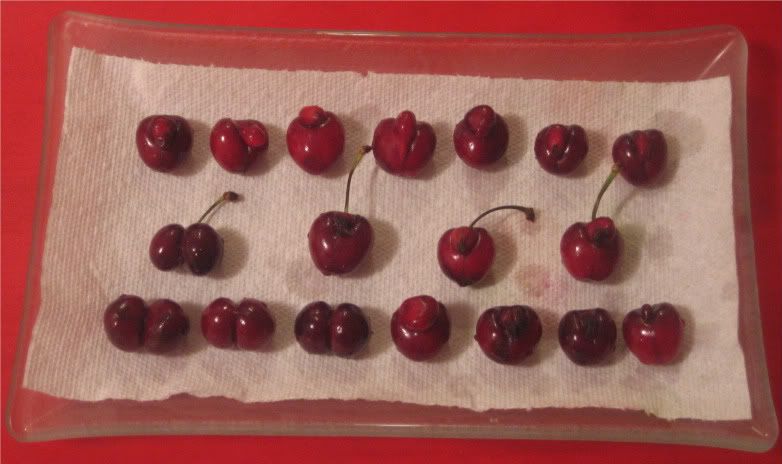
(528, 212)
(363, 151)
(227, 196)
(609, 179)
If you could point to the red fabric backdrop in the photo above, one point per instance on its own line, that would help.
(24, 27)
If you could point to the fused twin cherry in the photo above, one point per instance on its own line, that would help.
(132, 325)
(343, 330)
(199, 246)
(247, 326)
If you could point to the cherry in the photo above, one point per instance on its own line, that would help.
(640, 155)
(349, 330)
(165, 249)
(123, 321)
(313, 327)
(481, 138)
(466, 254)
(315, 139)
(420, 327)
(403, 145)
(320, 329)
(237, 144)
(508, 334)
(338, 241)
(560, 149)
(199, 246)
(248, 326)
(165, 326)
(587, 336)
(653, 333)
(590, 250)
(163, 141)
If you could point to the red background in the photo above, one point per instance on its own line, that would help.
(24, 28)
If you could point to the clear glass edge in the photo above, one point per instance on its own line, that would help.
(762, 442)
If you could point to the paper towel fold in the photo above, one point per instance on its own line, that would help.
(107, 205)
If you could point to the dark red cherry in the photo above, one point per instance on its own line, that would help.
(339, 241)
(165, 249)
(218, 323)
(508, 334)
(640, 155)
(560, 149)
(165, 327)
(349, 330)
(420, 327)
(254, 325)
(163, 141)
(123, 322)
(481, 138)
(202, 248)
(587, 336)
(313, 327)
(315, 139)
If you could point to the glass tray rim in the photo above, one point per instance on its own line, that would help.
(761, 433)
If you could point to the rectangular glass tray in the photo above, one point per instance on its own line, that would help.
(652, 57)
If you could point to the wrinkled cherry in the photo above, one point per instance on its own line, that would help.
(587, 336)
(508, 334)
(163, 141)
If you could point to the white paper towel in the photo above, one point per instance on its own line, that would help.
(107, 205)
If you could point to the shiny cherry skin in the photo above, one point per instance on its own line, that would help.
(420, 327)
(218, 323)
(313, 327)
(653, 333)
(165, 249)
(481, 138)
(640, 155)
(163, 141)
(248, 326)
(402, 145)
(349, 330)
(315, 139)
(237, 144)
(465, 254)
(123, 322)
(254, 325)
(508, 334)
(339, 241)
(560, 149)
(590, 251)
(202, 248)
(165, 327)
(587, 336)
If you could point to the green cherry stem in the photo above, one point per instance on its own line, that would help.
(363, 151)
(609, 179)
(528, 212)
(227, 196)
